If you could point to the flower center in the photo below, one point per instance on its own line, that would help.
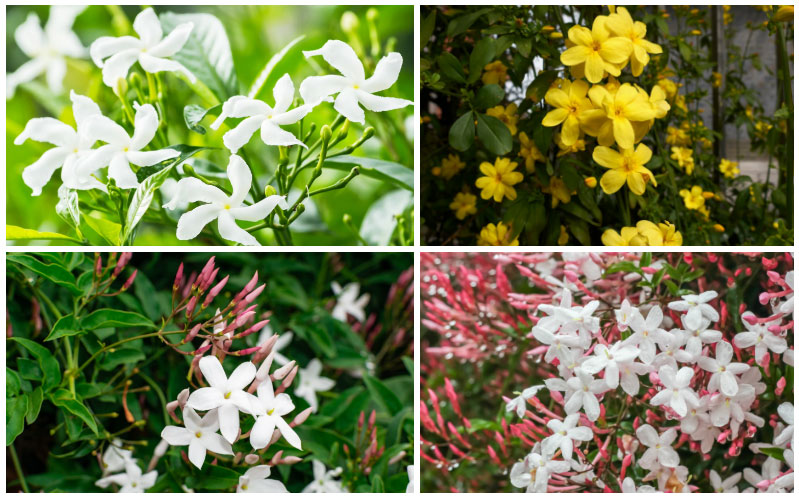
(562, 432)
(199, 434)
(227, 395)
(227, 208)
(355, 87)
(572, 109)
(125, 149)
(270, 411)
(657, 446)
(498, 177)
(75, 150)
(596, 46)
(134, 484)
(244, 487)
(646, 333)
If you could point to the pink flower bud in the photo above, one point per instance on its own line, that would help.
(263, 370)
(192, 333)
(98, 265)
(207, 269)
(124, 258)
(281, 372)
(649, 270)
(243, 318)
(252, 458)
(237, 458)
(254, 294)
(397, 458)
(301, 417)
(252, 329)
(202, 350)
(780, 386)
(689, 257)
(178, 278)
(750, 318)
(763, 298)
(190, 307)
(129, 281)
(214, 292)
(289, 378)
(292, 460)
(161, 448)
(183, 397)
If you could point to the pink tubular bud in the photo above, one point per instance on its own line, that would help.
(263, 370)
(192, 333)
(98, 265)
(252, 458)
(207, 269)
(247, 288)
(763, 298)
(178, 278)
(124, 258)
(281, 372)
(252, 329)
(292, 460)
(183, 397)
(129, 281)
(254, 294)
(190, 307)
(237, 458)
(244, 352)
(750, 318)
(397, 458)
(214, 292)
(289, 378)
(301, 417)
(202, 350)
(243, 318)
(649, 270)
(780, 386)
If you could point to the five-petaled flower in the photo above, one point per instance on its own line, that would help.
(677, 393)
(270, 409)
(348, 303)
(200, 434)
(324, 480)
(659, 450)
(256, 480)
(564, 434)
(311, 382)
(131, 481)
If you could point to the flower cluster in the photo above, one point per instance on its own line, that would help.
(636, 375)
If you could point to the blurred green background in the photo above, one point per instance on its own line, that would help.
(255, 33)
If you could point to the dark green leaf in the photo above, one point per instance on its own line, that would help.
(53, 272)
(540, 85)
(383, 395)
(34, 404)
(461, 134)
(193, 114)
(427, 27)
(104, 318)
(62, 398)
(65, 327)
(263, 76)
(494, 135)
(481, 55)
(48, 363)
(777, 453)
(377, 485)
(464, 22)
(389, 172)
(16, 408)
(114, 359)
(451, 67)
(12, 382)
(488, 96)
(29, 369)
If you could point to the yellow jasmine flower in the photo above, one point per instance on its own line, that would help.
(679, 102)
(495, 73)
(762, 128)
(716, 79)
(578, 146)
(784, 14)
(669, 86)
(629, 237)
(644, 233)
(625, 166)
(530, 152)
(684, 157)
(650, 232)
(498, 235)
(671, 237)
(614, 122)
(450, 166)
(622, 24)
(729, 168)
(677, 136)
(464, 205)
(590, 182)
(696, 32)
(718, 228)
(547, 29)
(658, 100)
(498, 180)
(693, 198)
(507, 115)
(563, 239)
(597, 49)
(560, 193)
(749, 112)
(569, 101)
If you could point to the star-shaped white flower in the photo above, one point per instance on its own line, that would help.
(696, 331)
(258, 114)
(786, 307)
(270, 409)
(256, 480)
(534, 470)
(283, 340)
(122, 150)
(311, 382)
(352, 86)
(559, 344)
(677, 393)
(324, 480)
(115, 457)
(218, 205)
(564, 435)
(582, 390)
(200, 434)
(226, 394)
(724, 373)
(731, 408)
(759, 337)
(647, 332)
(116, 55)
(625, 314)
(519, 404)
(348, 303)
(47, 48)
(697, 305)
(728, 486)
(131, 481)
(70, 145)
(610, 360)
(659, 449)
(785, 410)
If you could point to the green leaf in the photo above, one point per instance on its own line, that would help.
(29, 369)
(216, 478)
(186, 151)
(540, 85)
(193, 114)
(493, 134)
(105, 318)
(577, 210)
(12, 382)
(461, 134)
(579, 229)
(48, 363)
(206, 53)
(16, 408)
(114, 359)
(388, 172)
(482, 54)
(380, 221)
(56, 273)
(377, 485)
(34, 404)
(777, 453)
(464, 22)
(488, 96)
(383, 395)
(451, 67)
(260, 81)
(426, 30)
(107, 230)
(66, 326)
(62, 398)
(17, 233)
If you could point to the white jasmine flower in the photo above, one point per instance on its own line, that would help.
(270, 412)
(760, 337)
(696, 332)
(200, 434)
(570, 318)
(218, 205)
(324, 480)
(282, 342)
(409, 488)
(670, 344)
(584, 389)
(256, 480)
(706, 435)
(659, 449)
(697, 305)
(311, 382)
(610, 360)
(677, 393)
(770, 470)
(122, 150)
(47, 48)
(785, 410)
(115, 457)
(628, 487)
(625, 314)
(348, 302)
(564, 435)
(629, 372)
(696, 417)
(519, 404)
(534, 470)
(131, 481)
(352, 86)
(260, 115)
(70, 146)
(724, 373)
(116, 55)
(647, 332)
(559, 345)
(731, 408)
(226, 394)
(786, 307)
(728, 486)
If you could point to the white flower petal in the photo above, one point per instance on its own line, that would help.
(241, 134)
(216, 444)
(197, 452)
(342, 57)
(106, 46)
(47, 129)
(314, 88)
(272, 134)
(647, 435)
(118, 479)
(175, 435)
(376, 103)
(385, 75)
(262, 431)
(267, 486)
(194, 190)
(28, 71)
(260, 210)
(192, 222)
(288, 433)
(347, 105)
(229, 230)
(145, 126)
(119, 169)
(240, 178)
(148, 27)
(156, 64)
(152, 157)
(283, 93)
(241, 376)
(204, 399)
(229, 421)
(292, 116)
(118, 65)
(83, 108)
(173, 42)
(106, 130)
(29, 35)
(39, 173)
(213, 372)
(56, 70)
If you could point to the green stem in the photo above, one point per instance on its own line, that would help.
(787, 100)
(355, 171)
(18, 468)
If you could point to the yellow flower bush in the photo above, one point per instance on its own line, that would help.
(684, 157)
(596, 50)
(578, 146)
(498, 179)
(729, 168)
(496, 235)
(450, 166)
(507, 115)
(495, 73)
(625, 166)
(621, 24)
(644, 233)
(464, 204)
(559, 191)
